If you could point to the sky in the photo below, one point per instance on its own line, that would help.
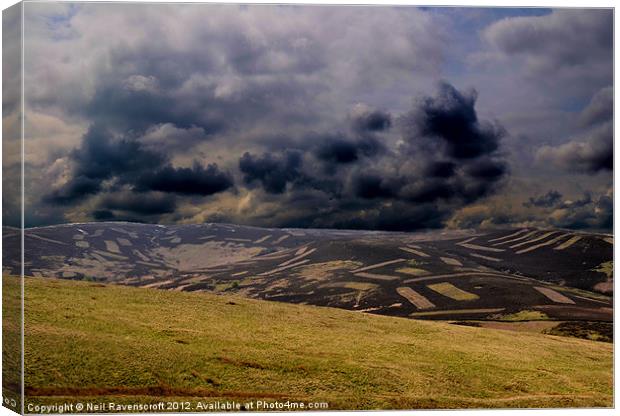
(375, 117)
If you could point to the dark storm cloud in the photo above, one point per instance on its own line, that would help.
(548, 200)
(138, 102)
(196, 180)
(372, 121)
(140, 204)
(374, 186)
(102, 156)
(107, 163)
(585, 213)
(364, 185)
(304, 105)
(431, 190)
(346, 174)
(75, 190)
(397, 216)
(487, 169)
(451, 118)
(468, 190)
(594, 212)
(103, 215)
(129, 108)
(441, 169)
(337, 151)
(449, 156)
(273, 171)
(334, 151)
(224, 87)
(463, 168)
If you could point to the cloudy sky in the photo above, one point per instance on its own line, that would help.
(395, 118)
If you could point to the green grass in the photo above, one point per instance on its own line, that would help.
(11, 342)
(525, 315)
(606, 268)
(89, 342)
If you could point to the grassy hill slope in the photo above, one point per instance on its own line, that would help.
(133, 345)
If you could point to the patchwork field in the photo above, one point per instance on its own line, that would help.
(552, 275)
(92, 342)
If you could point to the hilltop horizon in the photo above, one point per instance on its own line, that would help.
(426, 230)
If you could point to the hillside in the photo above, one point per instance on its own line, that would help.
(467, 275)
(127, 345)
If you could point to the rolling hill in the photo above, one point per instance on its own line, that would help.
(94, 343)
(487, 276)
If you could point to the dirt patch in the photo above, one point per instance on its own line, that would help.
(378, 265)
(415, 298)
(112, 246)
(48, 240)
(212, 253)
(604, 287)
(262, 239)
(481, 248)
(480, 256)
(451, 261)
(556, 297)
(377, 276)
(415, 251)
(302, 250)
(282, 268)
(324, 271)
(282, 238)
(124, 242)
(297, 258)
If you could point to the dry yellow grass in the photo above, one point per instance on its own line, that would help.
(412, 271)
(453, 292)
(133, 345)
